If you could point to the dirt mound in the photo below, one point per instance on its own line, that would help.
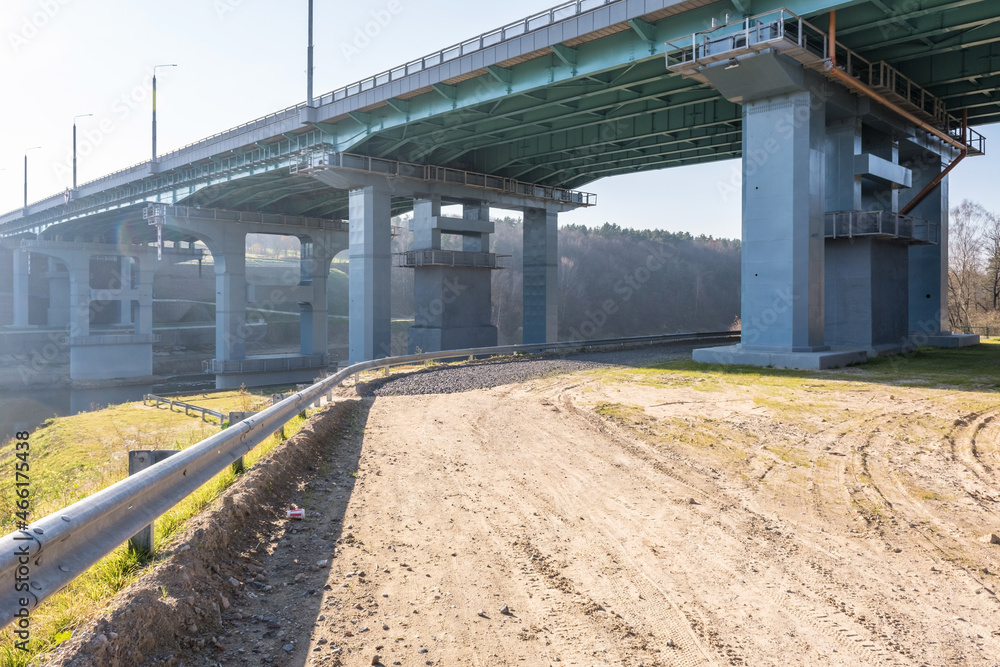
(177, 606)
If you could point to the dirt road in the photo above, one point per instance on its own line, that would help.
(626, 517)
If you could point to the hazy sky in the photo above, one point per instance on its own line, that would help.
(242, 59)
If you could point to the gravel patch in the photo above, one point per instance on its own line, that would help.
(485, 375)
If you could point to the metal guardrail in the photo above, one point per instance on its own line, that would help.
(266, 364)
(155, 213)
(110, 339)
(50, 552)
(459, 258)
(781, 30)
(325, 159)
(544, 19)
(886, 224)
(188, 407)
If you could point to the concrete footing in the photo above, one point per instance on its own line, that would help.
(237, 380)
(105, 358)
(952, 340)
(433, 339)
(737, 355)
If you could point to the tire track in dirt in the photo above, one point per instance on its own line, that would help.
(853, 643)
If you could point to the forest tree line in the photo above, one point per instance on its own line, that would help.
(613, 281)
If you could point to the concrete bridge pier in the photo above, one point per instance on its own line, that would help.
(928, 264)
(103, 356)
(452, 290)
(370, 332)
(317, 256)
(541, 275)
(866, 275)
(58, 278)
(22, 263)
(224, 232)
(784, 205)
(228, 248)
(125, 306)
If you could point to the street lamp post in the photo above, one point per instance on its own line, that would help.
(154, 107)
(26, 176)
(83, 115)
(309, 59)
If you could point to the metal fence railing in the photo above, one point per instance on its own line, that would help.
(50, 552)
(457, 258)
(884, 224)
(188, 407)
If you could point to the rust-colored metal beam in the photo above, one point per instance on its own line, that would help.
(854, 84)
(940, 177)
(832, 47)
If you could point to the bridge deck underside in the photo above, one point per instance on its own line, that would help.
(568, 128)
(637, 117)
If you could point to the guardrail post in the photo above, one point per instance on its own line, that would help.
(234, 418)
(275, 399)
(139, 460)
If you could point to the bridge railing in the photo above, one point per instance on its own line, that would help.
(49, 553)
(188, 407)
(318, 160)
(456, 258)
(887, 224)
(563, 12)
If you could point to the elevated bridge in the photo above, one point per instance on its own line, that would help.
(865, 105)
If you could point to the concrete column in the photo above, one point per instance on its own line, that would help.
(783, 214)
(125, 280)
(476, 242)
(541, 276)
(58, 311)
(928, 270)
(229, 254)
(79, 295)
(315, 266)
(453, 305)
(145, 271)
(843, 185)
(21, 268)
(426, 234)
(370, 262)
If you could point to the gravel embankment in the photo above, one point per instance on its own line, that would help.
(455, 379)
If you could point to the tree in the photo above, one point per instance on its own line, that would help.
(966, 262)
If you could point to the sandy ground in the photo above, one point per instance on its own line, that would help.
(602, 518)
(624, 523)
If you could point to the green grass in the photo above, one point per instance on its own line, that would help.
(975, 368)
(72, 457)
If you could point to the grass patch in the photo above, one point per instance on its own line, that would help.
(72, 457)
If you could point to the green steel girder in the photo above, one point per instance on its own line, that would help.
(720, 115)
(588, 99)
(710, 144)
(689, 99)
(646, 31)
(658, 143)
(569, 55)
(886, 20)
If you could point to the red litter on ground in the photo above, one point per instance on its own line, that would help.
(296, 514)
